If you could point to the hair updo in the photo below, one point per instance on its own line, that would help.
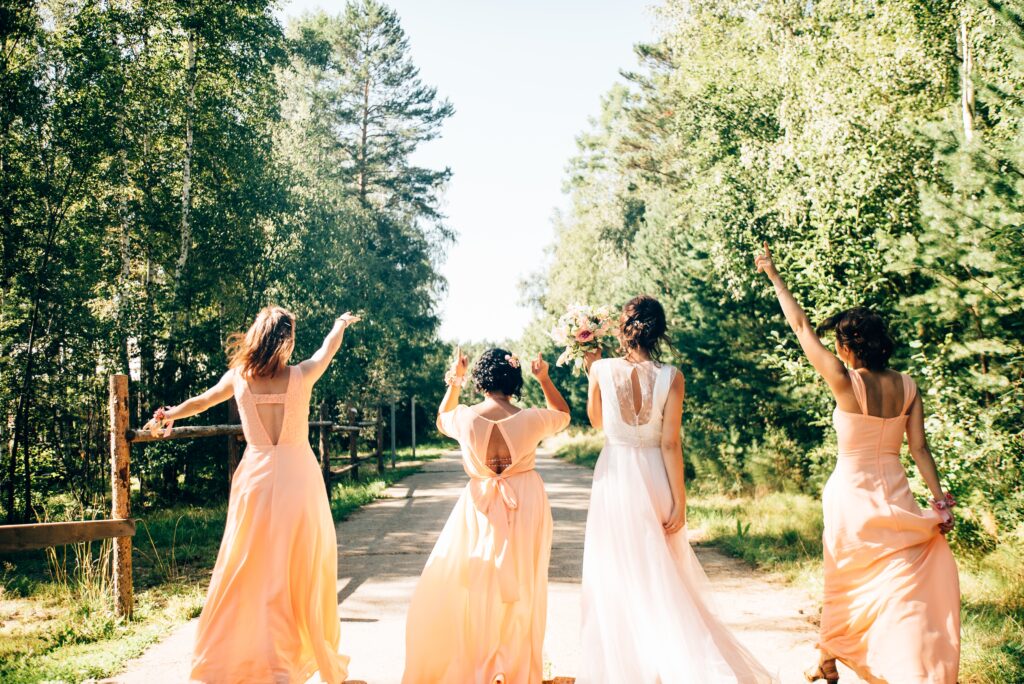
(864, 333)
(494, 373)
(643, 326)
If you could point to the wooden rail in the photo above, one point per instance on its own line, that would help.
(42, 535)
(197, 431)
(121, 527)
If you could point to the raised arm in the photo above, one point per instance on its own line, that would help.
(672, 453)
(824, 361)
(917, 440)
(454, 378)
(163, 418)
(315, 366)
(553, 398)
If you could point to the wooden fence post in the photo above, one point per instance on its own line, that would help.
(380, 440)
(232, 441)
(325, 448)
(120, 485)
(353, 452)
(392, 426)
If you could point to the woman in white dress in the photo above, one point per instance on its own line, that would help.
(645, 620)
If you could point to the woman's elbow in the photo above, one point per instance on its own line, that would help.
(670, 446)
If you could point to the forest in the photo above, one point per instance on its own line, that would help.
(879, 148)
(167, 168)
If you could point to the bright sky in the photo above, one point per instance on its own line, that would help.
(524, 77)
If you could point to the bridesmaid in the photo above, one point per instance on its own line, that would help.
(892, 593)
(271, 613)
(479, 611)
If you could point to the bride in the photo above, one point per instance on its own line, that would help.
(644, 614)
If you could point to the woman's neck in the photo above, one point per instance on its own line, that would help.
(637, 356)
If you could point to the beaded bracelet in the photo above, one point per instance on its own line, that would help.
(453, 380)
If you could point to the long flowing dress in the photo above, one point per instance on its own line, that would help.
(271, 614)
(892, 592)
(646, 618)
(479, 610)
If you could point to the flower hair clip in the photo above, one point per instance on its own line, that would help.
(513, 360)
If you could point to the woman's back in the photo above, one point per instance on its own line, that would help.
(884, 399)
(274, 410)
(634, 396)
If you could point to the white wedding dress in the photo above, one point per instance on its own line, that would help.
(645, 613)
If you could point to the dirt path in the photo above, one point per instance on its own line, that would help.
(383, 548)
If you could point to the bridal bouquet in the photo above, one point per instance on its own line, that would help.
(580, 329)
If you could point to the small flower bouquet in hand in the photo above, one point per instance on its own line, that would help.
(580, 329)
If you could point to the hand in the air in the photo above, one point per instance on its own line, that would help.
(348, 318)
(539, 367)
(765, 264)
(460, 362)
(676, 519)
(590, 357)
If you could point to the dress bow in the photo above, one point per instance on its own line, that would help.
(497, 500)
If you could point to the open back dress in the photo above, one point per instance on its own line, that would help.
(271, 612)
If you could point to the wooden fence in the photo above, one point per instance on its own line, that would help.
(121, 527)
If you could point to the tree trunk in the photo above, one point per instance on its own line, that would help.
(186, 172)
(125, 254)
(966, 83)
(363, 136)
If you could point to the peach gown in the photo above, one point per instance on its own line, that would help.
(480, 607)
(646, 613)
(892, 591)
(271, 613)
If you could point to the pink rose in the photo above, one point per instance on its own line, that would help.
(584, 335)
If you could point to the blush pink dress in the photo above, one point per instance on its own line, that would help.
(271, 613)
(646, 612)
(892, 592)
(479, 610)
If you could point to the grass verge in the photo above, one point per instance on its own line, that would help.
(55, 619)
(781, 533)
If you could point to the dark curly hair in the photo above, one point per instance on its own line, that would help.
(864, 333)
(643, 326)
(493, 373)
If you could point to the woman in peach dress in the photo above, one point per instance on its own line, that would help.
(479, 611)
(892, 593)
(646, 618)
(271, 612)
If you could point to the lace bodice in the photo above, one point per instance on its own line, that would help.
(295, 426)
(623, 423)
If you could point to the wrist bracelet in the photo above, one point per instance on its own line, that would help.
(453, 380)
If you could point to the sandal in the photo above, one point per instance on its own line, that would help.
(826, 670)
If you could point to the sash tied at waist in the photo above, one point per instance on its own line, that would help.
(496, 499)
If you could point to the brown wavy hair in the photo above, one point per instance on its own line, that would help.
(643, 326)
(265, 348)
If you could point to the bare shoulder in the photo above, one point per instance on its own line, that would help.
(678, 380)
